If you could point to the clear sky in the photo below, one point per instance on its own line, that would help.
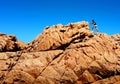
(27, 18)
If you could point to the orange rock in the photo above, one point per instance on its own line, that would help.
(10, 43)
(70, 54)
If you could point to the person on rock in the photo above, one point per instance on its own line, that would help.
(94, 25)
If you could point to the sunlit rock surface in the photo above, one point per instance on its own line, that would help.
(70, 54)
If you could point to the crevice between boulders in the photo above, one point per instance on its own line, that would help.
(51, 62)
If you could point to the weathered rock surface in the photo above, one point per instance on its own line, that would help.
(60, 36)
(116, 37)
(10, 43)
(70, 54)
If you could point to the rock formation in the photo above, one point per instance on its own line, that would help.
(10, 43)
(70, 54)
(116, 37)
(60, 36)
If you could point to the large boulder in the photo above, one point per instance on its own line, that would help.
(10, 43)
(59, 36)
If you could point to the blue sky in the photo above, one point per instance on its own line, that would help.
(27, 18)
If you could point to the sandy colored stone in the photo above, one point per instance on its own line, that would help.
(110, 80)
(20, 77)
(10, 43)
(7, 61)
(70, 54)
(59, 36)
(116, 37)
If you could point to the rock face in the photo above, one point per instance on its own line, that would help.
(60, 36)
(116, 37)
(10, 43)
(70, 54)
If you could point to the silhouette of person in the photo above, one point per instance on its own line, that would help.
(94, 25)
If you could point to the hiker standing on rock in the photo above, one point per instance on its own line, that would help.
(94, 25)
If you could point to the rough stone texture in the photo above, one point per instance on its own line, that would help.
(60, 36)
(10, 43)
(116, 37)
(110, 80)
(70, 54)
(7, 61)
(26, 67)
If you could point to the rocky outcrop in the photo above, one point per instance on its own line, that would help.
(60, 36)
(116, 37)
(10, 43)
(24, 68)
(70, 54)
